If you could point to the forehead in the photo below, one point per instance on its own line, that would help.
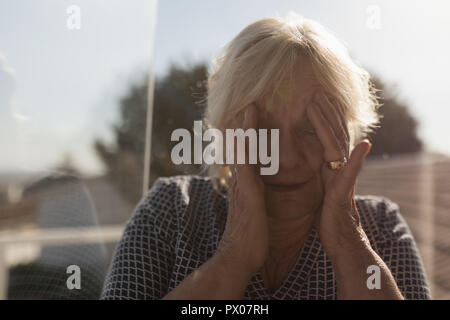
(289, 97)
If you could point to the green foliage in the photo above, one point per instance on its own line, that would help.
(178, 101)
(398, 128)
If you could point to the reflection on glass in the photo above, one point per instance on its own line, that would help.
(65, 193)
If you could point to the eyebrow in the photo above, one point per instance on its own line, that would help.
(305, 123)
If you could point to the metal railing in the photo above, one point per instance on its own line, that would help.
(51, 237)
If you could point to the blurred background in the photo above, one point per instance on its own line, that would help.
(77, 79)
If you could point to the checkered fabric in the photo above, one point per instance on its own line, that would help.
(176, 227)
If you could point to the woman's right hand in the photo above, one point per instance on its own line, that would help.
(244, 245)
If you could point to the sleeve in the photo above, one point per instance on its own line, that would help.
(144, 257)
(400, 253)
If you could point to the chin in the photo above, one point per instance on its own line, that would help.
(296, 201)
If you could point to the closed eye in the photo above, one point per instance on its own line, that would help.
(310, 131)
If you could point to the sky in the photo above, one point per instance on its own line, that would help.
(59, 87)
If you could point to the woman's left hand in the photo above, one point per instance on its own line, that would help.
(340, 230)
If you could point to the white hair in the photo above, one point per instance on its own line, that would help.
(263, 54)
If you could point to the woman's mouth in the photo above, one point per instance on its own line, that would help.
(286, 187)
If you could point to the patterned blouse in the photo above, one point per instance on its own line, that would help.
(176, 228)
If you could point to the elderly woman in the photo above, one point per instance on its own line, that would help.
(299, 234)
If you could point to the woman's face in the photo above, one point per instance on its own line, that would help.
(296, 190)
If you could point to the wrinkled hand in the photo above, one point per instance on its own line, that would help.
(245, 239)
(340, 230)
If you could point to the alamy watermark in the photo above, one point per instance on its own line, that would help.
(74, 18)
(214, 151)
(74, 280)
(373, 20)
(374, 281)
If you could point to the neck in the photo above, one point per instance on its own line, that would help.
(288, 233)
(286, 238)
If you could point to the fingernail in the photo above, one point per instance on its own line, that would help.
(370, 146)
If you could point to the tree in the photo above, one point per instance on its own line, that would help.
(178, 101)
(398, 128)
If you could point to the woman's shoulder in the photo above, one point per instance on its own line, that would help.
(182, 182)
(180, 189)
(381, 218)
(378, 207)
(169, 198)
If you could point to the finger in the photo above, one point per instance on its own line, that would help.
(250, 121)
(235, 192)
(332, 150)
(347, 176)
(342, 118)
(232, 180)
(329, 113)
(232, 195)
(231, 152)
(339, 112)
(352, 196)
(335, 119)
